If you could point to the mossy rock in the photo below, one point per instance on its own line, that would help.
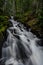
(4, 24)
(36, 26)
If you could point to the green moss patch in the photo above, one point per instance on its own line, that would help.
(4, 24)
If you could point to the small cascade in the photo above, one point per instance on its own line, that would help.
(20, 47)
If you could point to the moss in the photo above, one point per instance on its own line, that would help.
(36, 25)
(4, 24)
(23, 17)
(32, 22)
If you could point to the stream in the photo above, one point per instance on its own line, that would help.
(21, 47)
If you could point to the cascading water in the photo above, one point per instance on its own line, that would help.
(20, 47)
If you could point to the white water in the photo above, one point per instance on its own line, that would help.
(20, 47)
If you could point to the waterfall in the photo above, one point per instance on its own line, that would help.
(21, 48)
